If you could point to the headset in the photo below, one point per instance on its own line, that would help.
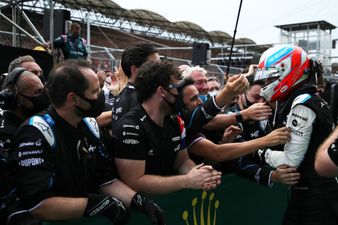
(9, 88)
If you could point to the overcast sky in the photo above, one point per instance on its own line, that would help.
(257, 20)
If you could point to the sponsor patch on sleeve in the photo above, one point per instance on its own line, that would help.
(39, 123)
(93, 126)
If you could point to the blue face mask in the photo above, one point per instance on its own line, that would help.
(203, 98)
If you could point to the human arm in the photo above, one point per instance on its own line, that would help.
(221, 121)
(132, 173)
(185, 165)
(104, 119)
(300, 121)
(136, 201)
(207, 111)
(326, 163)
(73, 208)
(247, 168)
(285, 175)
(44, 202)
(235, 85)
(149, 166)
(257, 111)
(230, 133)
(59, 42)
(267, 176)
(228, 151)
(35, 177)
(50, 209)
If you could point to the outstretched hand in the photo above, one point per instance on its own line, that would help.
(237, 85)
(278, 136)
(257, 112)
(230, 133)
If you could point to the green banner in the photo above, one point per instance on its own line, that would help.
(235, 202)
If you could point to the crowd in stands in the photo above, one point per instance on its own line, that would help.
(84, 143)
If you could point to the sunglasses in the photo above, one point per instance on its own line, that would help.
(178, 86)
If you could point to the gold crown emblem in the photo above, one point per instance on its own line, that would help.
(211, 207)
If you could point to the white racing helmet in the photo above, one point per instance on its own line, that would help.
(283, 68)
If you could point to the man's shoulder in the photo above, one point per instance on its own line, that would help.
(39, 126)
(301, 99)
(126, 96)
(127, 91)
(310, 101)
(132, 118)
(91, 126)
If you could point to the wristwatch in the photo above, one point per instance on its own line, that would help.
(239, 117)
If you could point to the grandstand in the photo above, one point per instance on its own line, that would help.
(109, 28)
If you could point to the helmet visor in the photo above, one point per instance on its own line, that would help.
(266, 73)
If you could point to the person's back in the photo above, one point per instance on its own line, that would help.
(124, 102)
(132, 58)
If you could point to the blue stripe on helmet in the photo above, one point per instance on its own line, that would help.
(277, 56)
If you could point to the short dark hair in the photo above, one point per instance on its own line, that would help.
(151, 76)
(187, 81)
(75, 25)
(67, 77)
(136, 54)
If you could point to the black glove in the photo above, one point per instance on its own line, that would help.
(107, 206)
(147, 206)
(259, 156)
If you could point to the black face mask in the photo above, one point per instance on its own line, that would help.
(96, 106)
(176, 106)
(40, 102)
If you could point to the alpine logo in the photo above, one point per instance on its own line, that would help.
(151, 152)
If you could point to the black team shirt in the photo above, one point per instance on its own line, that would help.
(137, 137)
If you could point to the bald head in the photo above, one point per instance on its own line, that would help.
(29, 84)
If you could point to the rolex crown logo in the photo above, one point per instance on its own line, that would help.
(210, 213)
